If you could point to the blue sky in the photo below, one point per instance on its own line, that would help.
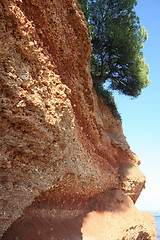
(141, 116)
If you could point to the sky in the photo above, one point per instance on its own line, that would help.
(141, 116)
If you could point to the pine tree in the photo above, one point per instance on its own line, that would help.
(117, 40)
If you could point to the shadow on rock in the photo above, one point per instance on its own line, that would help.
(46, 220)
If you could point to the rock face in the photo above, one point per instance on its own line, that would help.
(67, 171)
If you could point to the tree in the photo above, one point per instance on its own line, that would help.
(117, 40)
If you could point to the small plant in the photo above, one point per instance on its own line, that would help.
(108, 99)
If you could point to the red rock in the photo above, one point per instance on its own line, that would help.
(63, 153)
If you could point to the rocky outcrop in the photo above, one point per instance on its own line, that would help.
(65, 163)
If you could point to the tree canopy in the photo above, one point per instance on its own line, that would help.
(117, 40)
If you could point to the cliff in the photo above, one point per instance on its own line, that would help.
(67, 171)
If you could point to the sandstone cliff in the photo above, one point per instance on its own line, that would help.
(67, 171)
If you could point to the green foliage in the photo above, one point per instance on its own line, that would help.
(109, 100)
(117, 39)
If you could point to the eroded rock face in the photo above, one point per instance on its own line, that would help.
(61, 147)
